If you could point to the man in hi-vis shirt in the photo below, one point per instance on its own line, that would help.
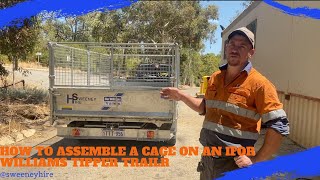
(238, 98)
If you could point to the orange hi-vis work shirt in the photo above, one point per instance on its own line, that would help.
(234, 111)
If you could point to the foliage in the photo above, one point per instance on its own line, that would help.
(8, 3)
(19, 39)
(209, 64)
(3, 71)
(17, 42)
(28, 95)
(132, 64)
(196, 66)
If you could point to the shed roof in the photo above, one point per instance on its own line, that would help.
(242, 15)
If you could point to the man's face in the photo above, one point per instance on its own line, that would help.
(238, 50)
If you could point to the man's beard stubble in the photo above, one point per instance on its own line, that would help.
(233, 62)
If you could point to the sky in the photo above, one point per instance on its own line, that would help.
(227, 10)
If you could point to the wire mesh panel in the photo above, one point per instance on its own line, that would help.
(117, 65)
(80, 67)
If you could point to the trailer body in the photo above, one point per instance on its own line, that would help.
(112, 90)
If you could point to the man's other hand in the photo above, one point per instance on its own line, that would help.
(243, 161)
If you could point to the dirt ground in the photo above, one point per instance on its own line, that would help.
(180, 167)
(17, 117)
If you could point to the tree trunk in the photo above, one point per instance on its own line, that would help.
(75, 30)
(13, 69)
(190, 72)
(184, 80)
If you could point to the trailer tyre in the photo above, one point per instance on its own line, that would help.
(171, 142)
(82, 141)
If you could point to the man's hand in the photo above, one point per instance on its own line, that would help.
(197, 104)
(243, 161)
(171, 93)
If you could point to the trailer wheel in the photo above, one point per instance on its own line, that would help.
(171, 142)
(82, 141)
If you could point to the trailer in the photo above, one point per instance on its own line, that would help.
(112, 90)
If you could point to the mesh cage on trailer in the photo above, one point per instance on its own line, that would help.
(114, 65)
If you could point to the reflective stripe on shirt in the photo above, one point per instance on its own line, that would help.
(233, 109)
(229, 131)
(279, 113)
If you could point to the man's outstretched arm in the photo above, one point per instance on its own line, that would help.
(197, 104)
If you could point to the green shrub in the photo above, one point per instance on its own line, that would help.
(27, 95)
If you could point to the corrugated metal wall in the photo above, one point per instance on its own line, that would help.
(304, 118)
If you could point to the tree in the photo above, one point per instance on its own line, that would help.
(182, 22)
(210, 64)
(7, 3)
(202, 65)
(110, 27)
(68, 29)
(18, 40)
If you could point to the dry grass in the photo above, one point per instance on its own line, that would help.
(33, 65)
(28, 65)
(20, 108)
(17, 117)
(12, 127)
